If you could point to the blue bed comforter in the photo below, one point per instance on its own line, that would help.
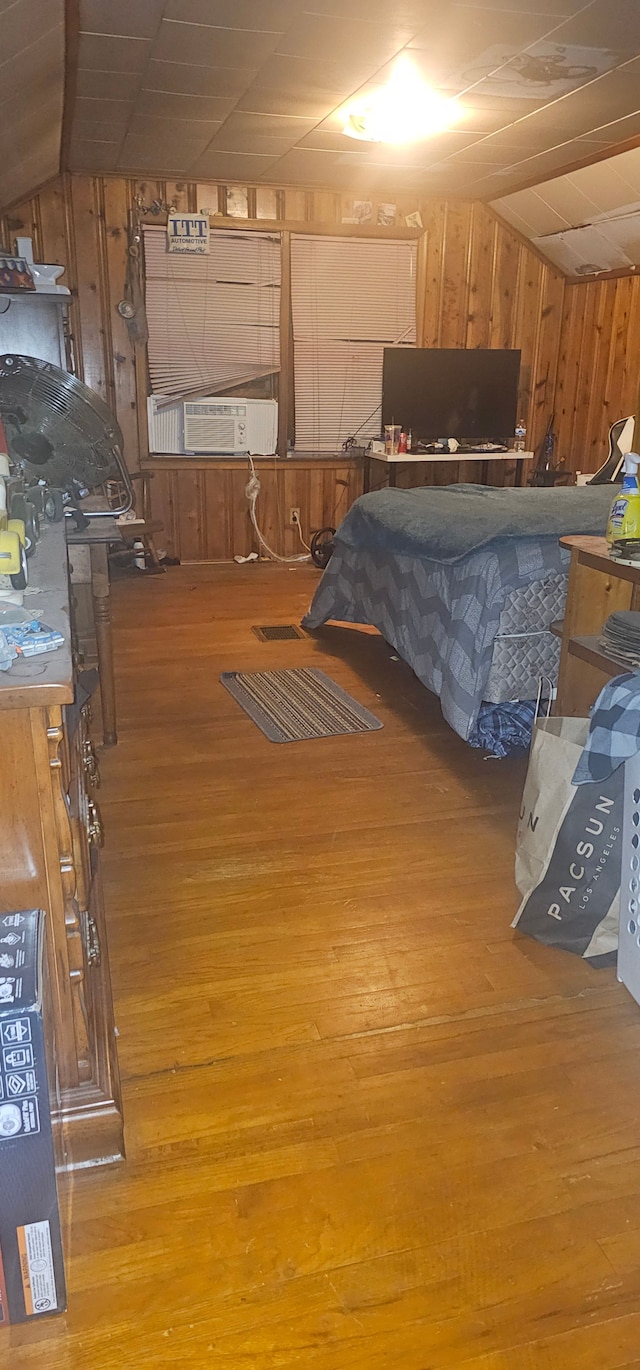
(446, 523)
(435, 585)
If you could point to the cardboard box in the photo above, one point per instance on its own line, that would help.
(32, 1279)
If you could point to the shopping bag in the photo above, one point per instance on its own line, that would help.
(568, 847)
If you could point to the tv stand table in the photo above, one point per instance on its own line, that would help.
(396, 459)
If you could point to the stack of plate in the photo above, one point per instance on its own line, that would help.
(621, 636)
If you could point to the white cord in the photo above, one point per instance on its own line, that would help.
(296, 520)
(252, 490)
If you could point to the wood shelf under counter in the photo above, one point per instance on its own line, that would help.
(51, 835)
(598, 586)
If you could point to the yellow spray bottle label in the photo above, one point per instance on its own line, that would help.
(624, 518)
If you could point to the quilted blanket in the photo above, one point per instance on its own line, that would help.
(446, 523)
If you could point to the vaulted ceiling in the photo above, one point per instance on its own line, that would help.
(254, 90)
(32, 57)
(587, 221)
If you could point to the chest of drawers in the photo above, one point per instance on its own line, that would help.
(51, 836)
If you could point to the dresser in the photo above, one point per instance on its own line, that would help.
(51, 838)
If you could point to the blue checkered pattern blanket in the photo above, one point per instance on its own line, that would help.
(614, 731)
(441, 619)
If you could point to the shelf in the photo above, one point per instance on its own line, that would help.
(588, 649)
(60, 296)
(557, 627)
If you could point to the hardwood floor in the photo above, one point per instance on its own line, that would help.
(368, 1127)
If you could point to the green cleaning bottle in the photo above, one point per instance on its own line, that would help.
(624, 519)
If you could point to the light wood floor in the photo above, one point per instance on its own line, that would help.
(368, 1127)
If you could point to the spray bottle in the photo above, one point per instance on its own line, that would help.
(624, 519)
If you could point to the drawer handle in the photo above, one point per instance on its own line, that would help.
(90, 763)
(95, 831)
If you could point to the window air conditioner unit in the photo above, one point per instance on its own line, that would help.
(213, 426)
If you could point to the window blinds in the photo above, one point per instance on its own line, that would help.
(351, 298)
(214, 320)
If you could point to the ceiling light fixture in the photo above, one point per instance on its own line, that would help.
(404, 111)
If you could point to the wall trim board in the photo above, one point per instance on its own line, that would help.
(603, 276)
(608, 150)
(71, 46)
(167, 461)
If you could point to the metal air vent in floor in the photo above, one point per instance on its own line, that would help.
(279, 632)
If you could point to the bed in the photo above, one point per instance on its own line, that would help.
(463, 582)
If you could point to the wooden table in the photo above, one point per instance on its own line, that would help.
(395, 459)
(597, 587)
(96, 538)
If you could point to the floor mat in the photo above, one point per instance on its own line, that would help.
(296, 705)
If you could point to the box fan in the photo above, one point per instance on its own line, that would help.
(60, 432)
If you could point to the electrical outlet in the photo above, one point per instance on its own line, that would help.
(294, 517)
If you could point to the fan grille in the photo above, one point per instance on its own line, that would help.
(56, 428)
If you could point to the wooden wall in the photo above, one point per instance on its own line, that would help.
(203, 505)
(599, 368)
(483, 286)
(479, 285)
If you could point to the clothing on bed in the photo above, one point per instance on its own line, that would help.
(446, 523)
(441, 619)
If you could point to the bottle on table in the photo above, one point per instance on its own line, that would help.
(520, 436)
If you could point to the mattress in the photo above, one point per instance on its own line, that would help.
(523, 648)
(443, 620)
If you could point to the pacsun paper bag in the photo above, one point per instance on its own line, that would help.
(568, 846)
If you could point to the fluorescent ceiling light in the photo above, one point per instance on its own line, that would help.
(404, 111)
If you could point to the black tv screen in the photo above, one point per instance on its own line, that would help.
(446, 392)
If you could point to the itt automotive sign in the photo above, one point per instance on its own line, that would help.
(188, 233)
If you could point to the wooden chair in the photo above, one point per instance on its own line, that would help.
(143, 528)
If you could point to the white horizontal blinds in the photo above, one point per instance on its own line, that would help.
(214, 320)
(351, 298)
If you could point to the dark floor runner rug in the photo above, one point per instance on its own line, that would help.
(299, 704)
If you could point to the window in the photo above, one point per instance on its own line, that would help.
(214, 321)
(351, 297)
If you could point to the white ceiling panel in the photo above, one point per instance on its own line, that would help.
(625, 233)
(581, 248)
(539, 216)
(568, 200)
(601, 207)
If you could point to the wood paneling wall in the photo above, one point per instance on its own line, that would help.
(599, 367)
(206, 515)
(479, 285)
(483, 286)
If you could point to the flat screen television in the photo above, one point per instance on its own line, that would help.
(446, 392)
